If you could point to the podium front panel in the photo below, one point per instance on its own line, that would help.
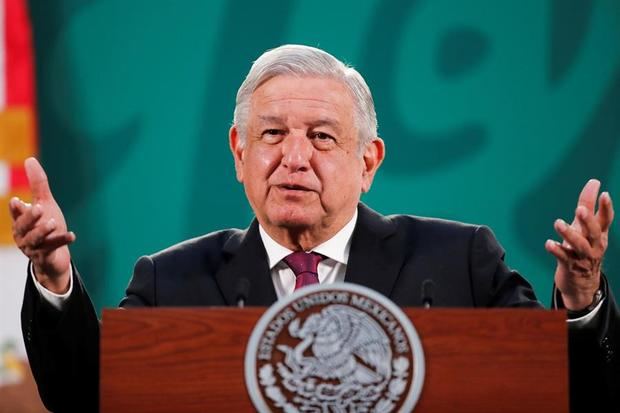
(191, 360)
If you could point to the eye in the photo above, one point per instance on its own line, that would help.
(322, 140)
(322, 136)
(273, 135)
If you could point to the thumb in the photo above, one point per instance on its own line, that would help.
(37, 179)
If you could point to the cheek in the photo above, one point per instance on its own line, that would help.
(340, 177)
(258, 166)
(261, 160)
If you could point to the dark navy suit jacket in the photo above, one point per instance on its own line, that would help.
(393, 255)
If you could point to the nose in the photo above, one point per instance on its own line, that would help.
(296, 152)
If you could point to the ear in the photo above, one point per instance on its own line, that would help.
(236, 147)
(373, 157)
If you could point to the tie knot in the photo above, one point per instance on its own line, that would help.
(302, 262)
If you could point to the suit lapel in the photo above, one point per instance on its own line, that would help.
(246, 258)
(375, 257)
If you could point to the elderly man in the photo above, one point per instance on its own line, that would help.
(305, 147)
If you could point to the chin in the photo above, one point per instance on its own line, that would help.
(296, 217)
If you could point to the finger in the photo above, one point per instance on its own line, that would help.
(37, 179)
(35, 238)
(51, 243)
(574, 238)
(16, 207)
(556, 249)
(589, 193)
(589, 225)
(27, 220)
(56, 241)
(605, 212)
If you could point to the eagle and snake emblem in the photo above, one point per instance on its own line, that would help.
(342, 363)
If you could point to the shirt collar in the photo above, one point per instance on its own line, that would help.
(337, 247)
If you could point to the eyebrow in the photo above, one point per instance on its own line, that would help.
(333, 123)
(320, 122)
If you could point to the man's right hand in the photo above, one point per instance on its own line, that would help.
(40, 231)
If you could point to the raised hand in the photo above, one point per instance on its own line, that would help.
(580, 255)
(40, 231)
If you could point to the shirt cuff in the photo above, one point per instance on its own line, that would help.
(55, 300)
(585, 320)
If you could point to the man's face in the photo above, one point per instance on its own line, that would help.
(301, 165)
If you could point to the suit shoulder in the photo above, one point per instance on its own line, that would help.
(435, 225)
(211, 244)
(444, 234)
(409, 228)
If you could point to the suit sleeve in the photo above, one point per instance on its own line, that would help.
(494, 284)
(63, 348)
(63, 345)
(594, 363)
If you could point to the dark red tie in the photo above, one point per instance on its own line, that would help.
(304, 265)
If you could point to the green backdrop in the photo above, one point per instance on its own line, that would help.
(493, 112)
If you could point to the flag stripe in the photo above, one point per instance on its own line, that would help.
(2, 59)
(18, 63)
(17, 178)
(17, 139)
(4, 179)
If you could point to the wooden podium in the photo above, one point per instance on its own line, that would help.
(191, 360)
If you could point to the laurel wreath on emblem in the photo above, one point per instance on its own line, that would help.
(396, 387)
(347, 367)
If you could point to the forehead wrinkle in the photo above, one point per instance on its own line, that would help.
(323, 121)
(269, 99)
(272, 118)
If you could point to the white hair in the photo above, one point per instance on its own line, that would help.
(298, 60)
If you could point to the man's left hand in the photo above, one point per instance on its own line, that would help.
(579, 256)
